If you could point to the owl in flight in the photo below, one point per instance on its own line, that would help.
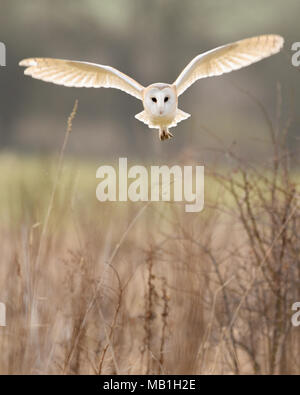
(160, 100)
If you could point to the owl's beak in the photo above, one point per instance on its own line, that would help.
(161, 110)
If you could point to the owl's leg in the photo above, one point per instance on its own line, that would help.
(164, 134)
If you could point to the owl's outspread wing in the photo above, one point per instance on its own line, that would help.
(212, 63)
(227, 58)
(81, 74)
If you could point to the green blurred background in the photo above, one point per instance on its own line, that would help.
(152, 41)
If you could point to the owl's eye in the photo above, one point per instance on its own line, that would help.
(166, 99)
(154, 99)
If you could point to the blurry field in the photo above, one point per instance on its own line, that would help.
(141, 288)
(147, 288)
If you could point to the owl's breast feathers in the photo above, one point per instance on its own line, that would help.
(160, 122)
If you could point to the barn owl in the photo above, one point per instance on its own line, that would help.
(160, 100)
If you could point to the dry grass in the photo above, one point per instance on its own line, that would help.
(107, 288)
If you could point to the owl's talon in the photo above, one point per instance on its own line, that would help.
(165, 135)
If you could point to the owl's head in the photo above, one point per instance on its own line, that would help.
(160, 100)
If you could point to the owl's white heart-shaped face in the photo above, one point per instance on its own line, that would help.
(160, 100)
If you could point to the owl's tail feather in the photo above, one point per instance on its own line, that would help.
(164, 134)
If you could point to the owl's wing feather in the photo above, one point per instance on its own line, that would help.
(80, 74)
(227, 58)
(179, 116)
